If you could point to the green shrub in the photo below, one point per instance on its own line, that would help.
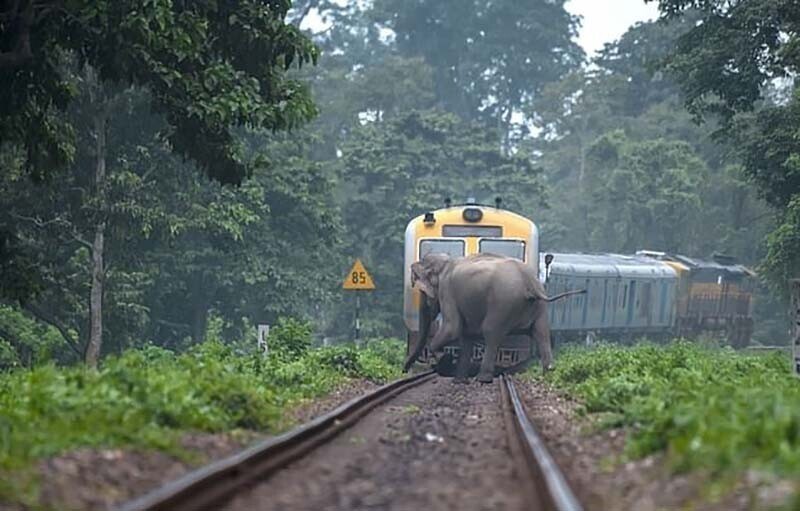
(149, 396)
(290, 339)
(716, 409)
(25, 342)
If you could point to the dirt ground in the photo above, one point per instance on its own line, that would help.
(439, 446)
(594, 463)
(99, 479)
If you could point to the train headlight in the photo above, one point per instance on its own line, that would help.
(472, 214)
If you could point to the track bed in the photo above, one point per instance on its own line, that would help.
(437, 446)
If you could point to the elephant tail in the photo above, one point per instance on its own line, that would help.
(565, 294)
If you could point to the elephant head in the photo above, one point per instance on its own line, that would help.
(425, 276)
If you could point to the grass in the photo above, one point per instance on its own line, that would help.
(713, 409)
(150, 397)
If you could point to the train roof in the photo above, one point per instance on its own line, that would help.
(700, 264)
(611, 265)
(486, 209)
(719, 263)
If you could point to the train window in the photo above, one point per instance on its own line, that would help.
(508, 248)
(453, 248)
(478, 231)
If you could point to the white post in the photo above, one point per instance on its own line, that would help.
(794, 289)
(263, 333)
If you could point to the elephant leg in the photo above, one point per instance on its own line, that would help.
(541, 332)
(450, 329)
(464, 360)
(493, 341)
(427, 315)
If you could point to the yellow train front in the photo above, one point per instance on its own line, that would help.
(460, 230)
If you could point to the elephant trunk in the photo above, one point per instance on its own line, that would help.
(426, 318)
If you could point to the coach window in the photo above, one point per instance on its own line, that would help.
(453, 248)
(508, 248)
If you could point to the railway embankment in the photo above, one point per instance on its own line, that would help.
(73, 438)
(672, 427)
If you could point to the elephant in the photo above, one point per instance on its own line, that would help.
(481, 295)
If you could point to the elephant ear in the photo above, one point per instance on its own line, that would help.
(420, 278)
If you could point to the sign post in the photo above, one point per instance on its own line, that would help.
(794, 289)
(358, 279)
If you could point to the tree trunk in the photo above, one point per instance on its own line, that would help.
(199, 322)
(794, 289)
(584, 198)
(98, 245)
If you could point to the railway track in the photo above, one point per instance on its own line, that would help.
(209, 487)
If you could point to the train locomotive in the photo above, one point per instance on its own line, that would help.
(649, 293)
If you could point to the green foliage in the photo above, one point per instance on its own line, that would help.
(737, 66)
(489, 59)
(378, 361)
(26, 342)
(630, 170)
(645, 194)
(148, 397)
(783, 245)
(210, 66)
(396, 169)
(290, 339)
(707, 408)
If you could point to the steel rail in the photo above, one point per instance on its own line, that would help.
(212, 484)
(551, 487)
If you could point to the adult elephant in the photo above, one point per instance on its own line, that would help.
(481, 295)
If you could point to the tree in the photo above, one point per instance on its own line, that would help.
(646, 194)
(208, 65)
(626, 97)
(395, 170)
(490, 59)
(725, 66)
(260, 251)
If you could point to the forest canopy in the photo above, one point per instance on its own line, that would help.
(173, 167)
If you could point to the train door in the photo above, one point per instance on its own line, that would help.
(605, 303)
(585, 298)
(662, 306)
(646, 303)
(631, 301)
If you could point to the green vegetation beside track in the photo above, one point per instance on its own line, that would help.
(150, 397)
(710, 409)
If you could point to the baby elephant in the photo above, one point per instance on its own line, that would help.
(481, 295)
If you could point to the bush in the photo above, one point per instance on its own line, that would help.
(150, 396)
(290, 339)
(25, 342)
(715, 409)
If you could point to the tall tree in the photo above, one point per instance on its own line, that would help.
(490, 59)
(209, 66)
(726, 65)
(400, 168)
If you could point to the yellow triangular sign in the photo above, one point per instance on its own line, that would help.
(358, 278)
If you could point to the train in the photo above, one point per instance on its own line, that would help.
(646, 294)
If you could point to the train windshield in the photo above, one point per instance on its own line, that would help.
(453, 248)
(508, 248)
